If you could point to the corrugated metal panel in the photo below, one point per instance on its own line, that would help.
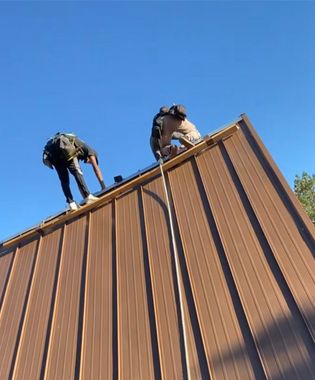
(13, 307)
(5, 268)
(165, 290)
(277, 331)
(135, 343)
(227, 354)
(290, 249)
(96, 294)
(65, 336)
(161, 270)
(32, 343)
(97, 336)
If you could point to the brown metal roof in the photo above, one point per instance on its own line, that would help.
(118, 290)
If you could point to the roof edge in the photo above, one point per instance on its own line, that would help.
(118, 189)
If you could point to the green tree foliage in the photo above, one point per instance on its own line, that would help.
(304, 188)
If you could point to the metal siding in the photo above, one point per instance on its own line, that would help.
(161, 258)
(284, 347)
(222, 337)
(12, 312)
(159, 250)
(5, 270)
(283, 187)
(95, 295)
(97, 355)
(32, 343)
(288, 246)
(134, 337)
(198, 369)
(61, 358)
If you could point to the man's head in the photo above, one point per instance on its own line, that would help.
(178, 111)
(164, 110)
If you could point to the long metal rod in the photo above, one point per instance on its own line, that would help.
(177, 274)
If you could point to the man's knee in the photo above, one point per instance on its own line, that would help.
(75, 168)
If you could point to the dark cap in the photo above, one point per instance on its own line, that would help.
(164, 110)
(178, 111)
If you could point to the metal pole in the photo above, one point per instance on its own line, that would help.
(177, 273)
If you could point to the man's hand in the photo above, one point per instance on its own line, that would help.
(47, 162)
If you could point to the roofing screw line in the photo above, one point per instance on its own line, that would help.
(177, 273)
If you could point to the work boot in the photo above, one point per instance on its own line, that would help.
(174, 151)
(90, 199)
(73, 206)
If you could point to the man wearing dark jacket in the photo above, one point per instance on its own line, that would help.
(63, 152)
(156, 131)
(173, 125)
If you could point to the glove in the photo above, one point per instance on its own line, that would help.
(102, 185)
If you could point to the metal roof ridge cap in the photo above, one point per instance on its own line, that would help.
(208, 140)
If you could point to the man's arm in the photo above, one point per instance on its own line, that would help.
(46, 160)
(92, 160)
(155, 147)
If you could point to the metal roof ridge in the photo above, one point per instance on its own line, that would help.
(117, 189)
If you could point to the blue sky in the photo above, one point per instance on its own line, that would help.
(102, 69)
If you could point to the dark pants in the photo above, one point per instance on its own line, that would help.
(63, 169)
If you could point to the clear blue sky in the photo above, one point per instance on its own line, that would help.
(102, 70)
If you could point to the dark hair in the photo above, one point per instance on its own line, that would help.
(164, 110)
(178, 111)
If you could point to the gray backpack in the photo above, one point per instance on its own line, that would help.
(63, 147)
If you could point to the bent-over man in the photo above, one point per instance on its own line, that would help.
(63, 153)
(174, 125)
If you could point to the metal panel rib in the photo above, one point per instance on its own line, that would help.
(97, 356)
(61, 358)
(198, 369)
(228, 358)
(280, 336)
(289, 248)
(159, 247)
(32, 343)
(134, 338)
(247, 126)
(5, 270)
(12, 312)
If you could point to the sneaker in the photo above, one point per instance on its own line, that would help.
(90, 199)
(73, 206)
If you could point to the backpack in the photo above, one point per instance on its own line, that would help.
(63, 146)
(157, 124)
